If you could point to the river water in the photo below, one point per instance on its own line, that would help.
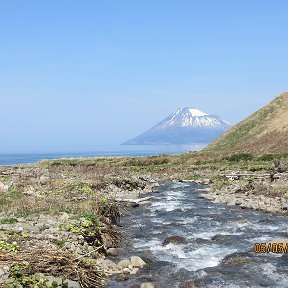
(220, 240)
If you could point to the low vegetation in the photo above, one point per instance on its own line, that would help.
(263, 132)
(84, 189)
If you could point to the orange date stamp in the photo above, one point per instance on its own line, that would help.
(280, 248)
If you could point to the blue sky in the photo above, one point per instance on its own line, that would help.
(74, 74)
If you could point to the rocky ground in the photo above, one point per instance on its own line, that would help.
(256, 191)
(61, 229)
(59, 222)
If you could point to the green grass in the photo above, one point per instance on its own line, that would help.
(243, 136)
(8, 221)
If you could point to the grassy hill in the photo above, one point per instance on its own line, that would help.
(265, 131)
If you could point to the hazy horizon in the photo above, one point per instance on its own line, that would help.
(77, 75)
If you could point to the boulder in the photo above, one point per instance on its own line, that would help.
(123, 264)
(175, 240)
(108, 264)
(137, 262)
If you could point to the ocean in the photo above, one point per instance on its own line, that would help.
(105, 151)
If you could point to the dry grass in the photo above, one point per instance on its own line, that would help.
(55, 263)
(264, 131)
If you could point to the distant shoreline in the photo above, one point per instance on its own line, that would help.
(100, 151)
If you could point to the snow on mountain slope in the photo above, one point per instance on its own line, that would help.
(192, 117)
(184, 126)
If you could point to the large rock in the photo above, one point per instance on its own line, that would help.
(123, 264)
(174, 240)
(108, 264)
(137, 262)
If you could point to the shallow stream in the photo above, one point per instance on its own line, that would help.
(220, 240)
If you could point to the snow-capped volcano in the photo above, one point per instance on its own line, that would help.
(184, 126)
(192, 117)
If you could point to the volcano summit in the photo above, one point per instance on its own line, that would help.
(184, 126)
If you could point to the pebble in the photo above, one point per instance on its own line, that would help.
(126, 270)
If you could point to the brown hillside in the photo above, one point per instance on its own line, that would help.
(265, 131)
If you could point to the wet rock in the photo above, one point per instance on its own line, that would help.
(202, 241)
(174, 240)
(219, 238)
(137, 262)
(237, 258)
(207, 196)
(135, 286)
(147, 202)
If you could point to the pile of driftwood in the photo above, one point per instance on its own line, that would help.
(279, 168)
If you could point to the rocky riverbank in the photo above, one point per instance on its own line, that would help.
(60, 220)
(250, 191)
(61, 228)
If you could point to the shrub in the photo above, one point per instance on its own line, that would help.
(239, 157)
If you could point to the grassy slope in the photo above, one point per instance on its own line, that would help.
(265, 131)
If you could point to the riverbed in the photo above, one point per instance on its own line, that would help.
(220, 239)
